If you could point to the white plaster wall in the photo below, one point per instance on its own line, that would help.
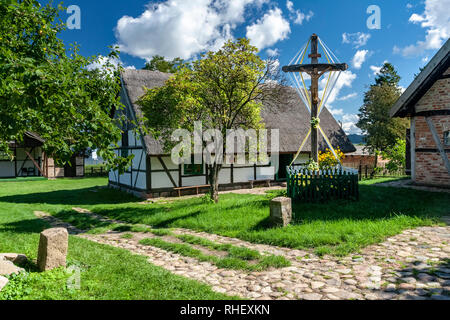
(138, 141)
(225, 176)
(156, 165)
(125, 179)
(161, 180)
(137, 159)
(113, 175)
(131, 138)
(265, 173)
(7, 169)
(20, 154)
(243, 174)
(194, 181)
(139, 180)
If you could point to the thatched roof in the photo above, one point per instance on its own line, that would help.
(290, 117)
(30, 139)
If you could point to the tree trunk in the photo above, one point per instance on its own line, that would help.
(375, 165)
(213, 178)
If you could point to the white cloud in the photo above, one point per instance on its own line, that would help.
(335, 112)
(297, 15)
(359, 58)
(425, 59)
(102, 61)
(376, 70)
(180, 28)
(436, 20)
(268, 30)
(274, 66)
(348, 97)
(345, 81)
(301, 17)
(349, 124)
(273, 52)
(409, 6)
(290, 6)
(358, 39)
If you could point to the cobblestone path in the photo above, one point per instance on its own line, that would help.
(412, 265)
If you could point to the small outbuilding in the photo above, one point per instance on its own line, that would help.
(30, 161)
(427, 103)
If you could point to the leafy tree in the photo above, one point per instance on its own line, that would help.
(396, 156)
(159, 63)
(380, 129)
(223, 89)
(387, 75)
(49, 90)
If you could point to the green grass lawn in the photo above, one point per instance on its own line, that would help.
(106, 272)
(339, 227)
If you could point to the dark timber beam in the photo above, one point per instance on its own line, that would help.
(439, 145)
(148, 172)
(319, 67)
(24, 161)
(34, 162)
(167, 172)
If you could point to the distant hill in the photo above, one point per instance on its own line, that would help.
(356, 138)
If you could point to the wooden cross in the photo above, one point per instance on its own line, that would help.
(315, 70)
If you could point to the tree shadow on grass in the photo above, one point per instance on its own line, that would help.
(81, 221)
(85, 196)
(25, 226)
(375, 203)
(135, 215)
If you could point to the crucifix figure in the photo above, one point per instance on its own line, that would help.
(315, 70)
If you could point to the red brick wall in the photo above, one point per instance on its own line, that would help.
(437, 98)
(353, 161)
(430, 167)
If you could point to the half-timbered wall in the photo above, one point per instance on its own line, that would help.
(430, 154)
(22, 165)
(228, 175)
(134, 177)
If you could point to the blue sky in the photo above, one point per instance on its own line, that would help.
(410, 33)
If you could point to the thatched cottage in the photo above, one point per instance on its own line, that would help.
(427, 103)
(153, 174)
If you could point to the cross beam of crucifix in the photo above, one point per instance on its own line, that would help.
(315, 71)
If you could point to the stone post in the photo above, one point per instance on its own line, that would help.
(3, 282)
(53, 246)
(281, 211)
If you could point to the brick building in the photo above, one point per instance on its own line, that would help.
(427, 103)
(362, 157)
